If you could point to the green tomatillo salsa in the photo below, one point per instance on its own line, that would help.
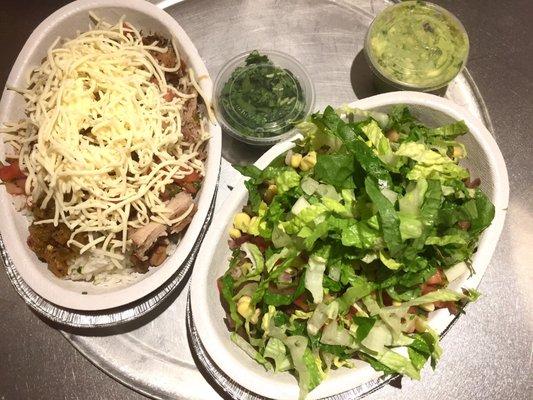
(262, 99)
(417, 44)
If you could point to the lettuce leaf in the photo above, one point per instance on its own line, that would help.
(398, 363)
(250, 350)
(360, 235)
(286, 180)
(442, 172)
(449, 131)
(255, 256)
(381, 145)
(309, 374)
(276, 350)
(278, 299)
(314, 276)
(390, 221)
(364, 326)
(430, 164)
(335, 169)
(226, 288)
(350, 136)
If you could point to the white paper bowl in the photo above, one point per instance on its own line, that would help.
(484, 160)
(14, 227)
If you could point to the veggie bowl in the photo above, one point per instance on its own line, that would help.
(273, 337)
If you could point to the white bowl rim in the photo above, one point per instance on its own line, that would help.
(102, 301)
(271, 388)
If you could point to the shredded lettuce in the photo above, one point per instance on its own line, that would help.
(287, 180)
(334, 262)
(314, 276)
(309, 374)
(381, 145)
(254, 255)
(398, 363)
(249, 349)
(276, 350)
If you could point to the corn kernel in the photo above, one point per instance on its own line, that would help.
(253, 226)
(396, 303)
(296, 159)
(457, 151)
(243, 306)
(234, 233)
(241, 221)
(255, 317)
(428, 307)
(420, 324)
(308, 162)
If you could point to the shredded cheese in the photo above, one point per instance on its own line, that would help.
(102, 139)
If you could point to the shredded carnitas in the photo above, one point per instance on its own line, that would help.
(103, 138)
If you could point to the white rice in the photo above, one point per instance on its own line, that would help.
(98, 269)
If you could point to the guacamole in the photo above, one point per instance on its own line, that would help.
(417, 44)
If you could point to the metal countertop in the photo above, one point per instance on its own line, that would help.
(488, 355)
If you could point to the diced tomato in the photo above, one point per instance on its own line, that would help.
(188, 181)
(11, 172)
(351, 312)
(301, 303)
(412, 310)
(169, 95)
(387, 300)
(16, 187)
(236, 243)
(257, 240)
(191, 178)
(436, 279)
(427, 288)
(260, 242)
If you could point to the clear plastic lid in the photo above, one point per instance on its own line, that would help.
(261, 95)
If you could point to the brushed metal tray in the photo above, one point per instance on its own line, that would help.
(153, 357)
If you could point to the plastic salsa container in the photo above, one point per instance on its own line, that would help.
(261, 95)
(415, 45)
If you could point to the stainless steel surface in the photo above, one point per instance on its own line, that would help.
(154, 358)
(487, 354)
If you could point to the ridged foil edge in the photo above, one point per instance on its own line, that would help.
(106, 318)
(228, 388)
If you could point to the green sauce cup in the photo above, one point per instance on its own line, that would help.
(261, 95)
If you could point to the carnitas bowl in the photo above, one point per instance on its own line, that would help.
(14, 226)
